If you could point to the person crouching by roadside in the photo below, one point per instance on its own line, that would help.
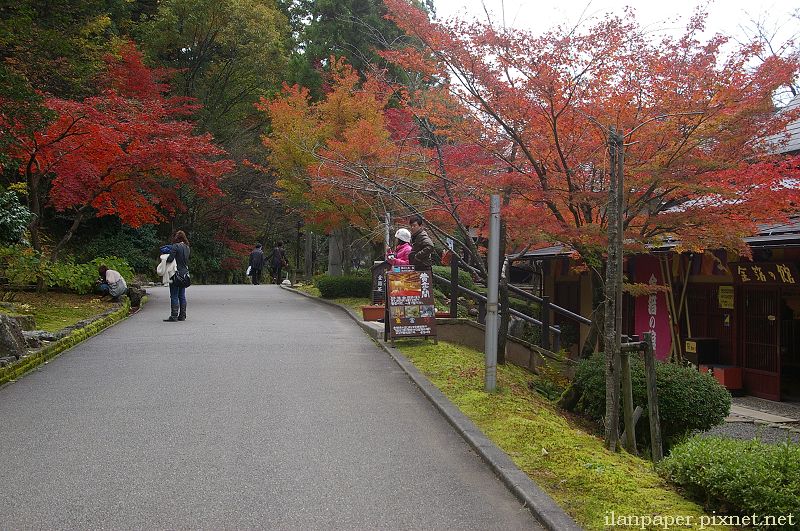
(399, 256)
(111, 283)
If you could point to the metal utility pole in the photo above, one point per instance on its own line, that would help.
(490, 342)
(387, 231)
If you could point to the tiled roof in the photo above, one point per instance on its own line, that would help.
(793, 130)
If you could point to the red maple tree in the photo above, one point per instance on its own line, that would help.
(698, 166)
(124, 152)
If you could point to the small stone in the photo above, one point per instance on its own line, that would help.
(32, 341)
(12, 342)
(25, 322)
(41, 335)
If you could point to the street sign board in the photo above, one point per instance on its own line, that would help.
(410, 303)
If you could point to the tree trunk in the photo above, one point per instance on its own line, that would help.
(335, 244)
(67, 237)
(35, 206)
(505, 307)
(597, 317)
(613, 280)
(347, 252)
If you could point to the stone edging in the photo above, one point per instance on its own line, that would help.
(543, 507)
(97, 324)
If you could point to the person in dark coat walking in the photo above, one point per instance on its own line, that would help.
(177, 294)
(256, 264)
(421, 245)
(277, 261)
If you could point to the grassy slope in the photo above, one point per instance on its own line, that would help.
(571, 465)
(54, 311)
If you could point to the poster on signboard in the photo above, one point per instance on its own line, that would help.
(410, 305)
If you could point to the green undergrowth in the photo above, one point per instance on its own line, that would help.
(572, 466)
(54, 311)
(353, 303)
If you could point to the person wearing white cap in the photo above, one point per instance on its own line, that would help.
(400, 254)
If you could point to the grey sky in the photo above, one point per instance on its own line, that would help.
(725, 16)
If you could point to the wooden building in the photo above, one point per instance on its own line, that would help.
(747, 312)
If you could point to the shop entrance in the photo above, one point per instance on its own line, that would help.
(760, 340)
(790, 346)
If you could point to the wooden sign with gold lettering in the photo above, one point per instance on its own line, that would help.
(763, 273)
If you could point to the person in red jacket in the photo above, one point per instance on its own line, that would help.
(401, 251)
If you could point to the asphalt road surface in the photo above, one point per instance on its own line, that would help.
(262, 410)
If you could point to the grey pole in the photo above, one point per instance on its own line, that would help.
(387, 231)
(490, 346)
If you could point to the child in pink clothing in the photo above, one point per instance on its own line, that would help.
(400, 254)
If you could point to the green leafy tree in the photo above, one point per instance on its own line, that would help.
(228, 54)
(14, 218)
(353, 29)
(58, 46)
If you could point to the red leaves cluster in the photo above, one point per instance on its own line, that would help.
(125, 152)
(699, 166)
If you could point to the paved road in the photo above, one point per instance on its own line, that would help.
(263, 410)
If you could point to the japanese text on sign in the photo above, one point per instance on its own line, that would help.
(746, 273)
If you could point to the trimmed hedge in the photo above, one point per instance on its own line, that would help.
(344, 286)
(738, 477)
(464, 279)
(687, 399)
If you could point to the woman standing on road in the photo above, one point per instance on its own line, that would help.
(177, 291)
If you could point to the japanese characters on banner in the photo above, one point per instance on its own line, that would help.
(652, 314)
(411, 308)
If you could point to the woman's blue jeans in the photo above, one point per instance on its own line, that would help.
(177, 296)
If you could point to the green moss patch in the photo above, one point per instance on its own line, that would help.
(353, 303)
(54, 311)
(572, 466)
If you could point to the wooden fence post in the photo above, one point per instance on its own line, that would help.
(454, 285)
(627, 404)
(656, 446)
(544, 339)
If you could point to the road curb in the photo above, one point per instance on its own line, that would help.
(12, 373)
(538, 502)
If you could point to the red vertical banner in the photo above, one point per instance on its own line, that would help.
(652, 314)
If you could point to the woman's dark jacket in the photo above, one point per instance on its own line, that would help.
(180, 253)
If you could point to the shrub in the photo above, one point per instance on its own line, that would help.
(464, 279)
(744, 477)
(21, 266)
(14, 218)
(136, 246)
(344, 286)
(687, 399)
(81, 278)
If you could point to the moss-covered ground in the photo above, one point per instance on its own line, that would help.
(571, 465)
(353, 303)
(54, 311)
